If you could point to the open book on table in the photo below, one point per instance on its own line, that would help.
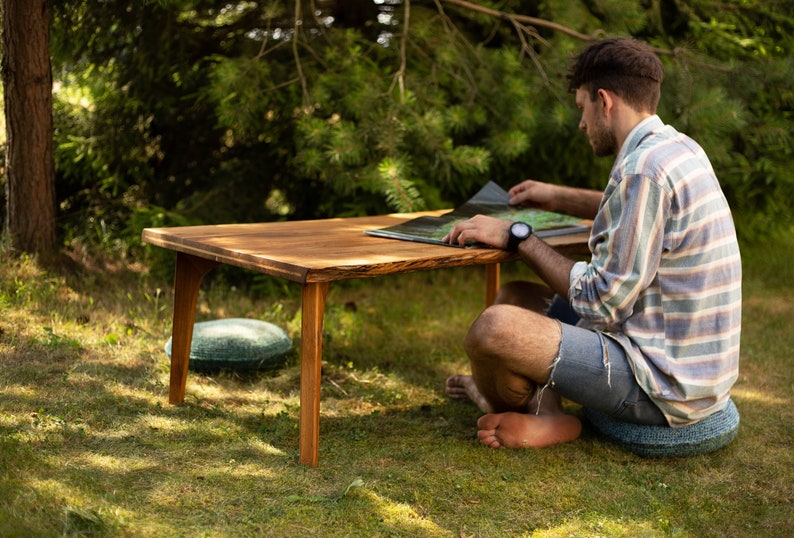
(491, 200)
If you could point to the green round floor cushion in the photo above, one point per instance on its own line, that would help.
(236, 344)
(709, 434)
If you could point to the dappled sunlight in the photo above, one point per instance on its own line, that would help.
(21, 391)
(231, 468)
(231, 393)
(352, 393)
(86, 429)
(603, 525)
(114, 464)
(128, 393)
(207, 388)
(10, 421)
(261, 447)
(163, 424)
(400, 517)
(57, 489)
(336, 408)
(758, 396)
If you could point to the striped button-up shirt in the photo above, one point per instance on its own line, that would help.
(664, 279)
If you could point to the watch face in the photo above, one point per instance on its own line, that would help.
(520, 229)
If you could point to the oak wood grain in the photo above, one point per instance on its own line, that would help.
(326, 250)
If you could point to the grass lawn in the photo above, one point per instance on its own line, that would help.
(90, 447)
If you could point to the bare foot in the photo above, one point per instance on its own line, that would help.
(519, 430)
(463, 387)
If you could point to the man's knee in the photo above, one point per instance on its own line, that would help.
(484, 333)
(495, 331)
(510, 337)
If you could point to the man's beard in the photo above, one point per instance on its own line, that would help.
(602, 140)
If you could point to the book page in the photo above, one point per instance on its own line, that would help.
(491, 200)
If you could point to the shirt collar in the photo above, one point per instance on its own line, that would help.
(640, 131)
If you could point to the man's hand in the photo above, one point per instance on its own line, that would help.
(531, 193)
(480, 229)
(582, 203)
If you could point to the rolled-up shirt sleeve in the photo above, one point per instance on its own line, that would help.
(577, 272)
(626, 247)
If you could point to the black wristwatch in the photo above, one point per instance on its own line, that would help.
(519, 231)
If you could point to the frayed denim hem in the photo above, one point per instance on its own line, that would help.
(551, 384)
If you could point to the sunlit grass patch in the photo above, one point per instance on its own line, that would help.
(90, 446)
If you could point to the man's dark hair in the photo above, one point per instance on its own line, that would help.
(626, 67)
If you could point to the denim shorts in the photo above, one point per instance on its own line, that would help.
(593, 371)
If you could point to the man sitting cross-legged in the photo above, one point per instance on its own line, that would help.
(647, 331)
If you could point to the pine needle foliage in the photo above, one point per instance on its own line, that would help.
(360, 107)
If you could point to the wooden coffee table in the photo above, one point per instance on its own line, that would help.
(313, 253)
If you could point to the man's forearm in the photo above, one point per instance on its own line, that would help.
(579, 202)
(551, 266)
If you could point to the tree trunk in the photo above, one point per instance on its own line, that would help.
(30, 169)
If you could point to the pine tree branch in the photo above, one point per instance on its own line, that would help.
(520, 18)
(400, 76)
(523, 32)
(296, 54)
(471, 81)
(535, 21)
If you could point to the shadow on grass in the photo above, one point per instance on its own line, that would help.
(89, 446)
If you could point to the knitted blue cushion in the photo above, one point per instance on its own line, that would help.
(709, 434)
(236, 344)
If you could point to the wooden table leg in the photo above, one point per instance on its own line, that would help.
(313, 309)
(190, 270)
(491, 283)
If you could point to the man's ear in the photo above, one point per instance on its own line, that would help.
(606, 101)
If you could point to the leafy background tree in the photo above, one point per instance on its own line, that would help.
(199, 111)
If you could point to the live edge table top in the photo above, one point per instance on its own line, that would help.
(325, 250)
